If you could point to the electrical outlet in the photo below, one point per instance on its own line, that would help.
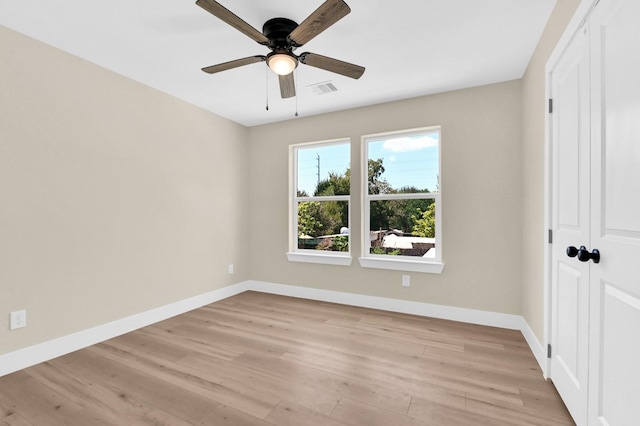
(406, 280)
(18, 319)
(230, 268)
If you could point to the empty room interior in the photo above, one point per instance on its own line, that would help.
(156, 265)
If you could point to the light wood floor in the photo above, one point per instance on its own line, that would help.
(258, 359)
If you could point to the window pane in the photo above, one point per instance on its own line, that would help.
(323, 225)
(403, 227)
(323, 170)
(404, 163)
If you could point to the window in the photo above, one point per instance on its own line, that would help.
(320, 196)
(401, 212)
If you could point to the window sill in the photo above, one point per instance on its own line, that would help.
(431, 267)
(323, 258)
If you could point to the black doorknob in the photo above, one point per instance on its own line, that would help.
(572, 251)
(585, 256)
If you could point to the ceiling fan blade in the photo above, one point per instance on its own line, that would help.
(230, 18)
(234, 64)
(333, 65)
(329, 12)
(287, 86)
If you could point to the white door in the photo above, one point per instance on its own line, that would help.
(615, 231)
(570, 225)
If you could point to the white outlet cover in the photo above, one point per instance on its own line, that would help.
(406, 280)
(230, 268)
(18, 319)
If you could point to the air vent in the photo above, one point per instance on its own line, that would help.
(322, 88)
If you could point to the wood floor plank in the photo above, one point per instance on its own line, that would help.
(225, 415)
(19, 389)
(547, 401)
(219, 350)
(108, 405)
(447, 411)
(215, 388)
(288, 384)
(288, 413)
(15, 419)
(363, 389)
(129, 383)
(159, 418)
(356, 413)
(514, 417)
(256, 359)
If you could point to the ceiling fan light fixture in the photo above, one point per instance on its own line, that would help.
(282, 36)
(282, 63)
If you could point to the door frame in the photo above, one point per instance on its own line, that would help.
(575, 24)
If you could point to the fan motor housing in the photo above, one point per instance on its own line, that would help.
(277, 30)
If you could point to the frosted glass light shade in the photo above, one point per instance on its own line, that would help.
(282, 64)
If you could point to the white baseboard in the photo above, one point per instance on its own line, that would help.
(45, 351)
(536, 347)
(23, 358)
(493, 319)
(471, 316)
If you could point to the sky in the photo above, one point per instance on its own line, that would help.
(409, 160)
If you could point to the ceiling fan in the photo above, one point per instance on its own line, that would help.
(283, 36)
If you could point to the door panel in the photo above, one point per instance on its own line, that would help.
(621, 67)
(569, 297)
(567, 100)
(619, 354)
(570, 225)
(614, 338)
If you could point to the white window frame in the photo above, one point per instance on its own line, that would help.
(399, 263)
(313, 256)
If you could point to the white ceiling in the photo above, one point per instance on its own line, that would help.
(409, 48)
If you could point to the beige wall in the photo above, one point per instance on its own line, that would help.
(533, 121)
(114, 197)
(480, 182)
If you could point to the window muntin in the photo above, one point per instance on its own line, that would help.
(320, 198)
(401, 212)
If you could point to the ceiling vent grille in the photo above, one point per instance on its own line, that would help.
(323, 88)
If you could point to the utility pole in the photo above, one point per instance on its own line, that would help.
(318, 167)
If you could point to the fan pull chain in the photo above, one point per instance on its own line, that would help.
(296, 88)
(266, 69)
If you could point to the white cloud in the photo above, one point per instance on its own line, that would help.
(408, 144)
